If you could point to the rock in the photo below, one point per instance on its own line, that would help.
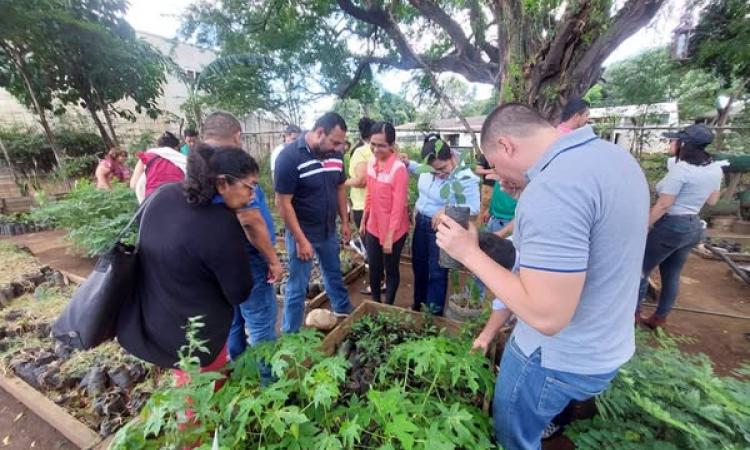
(137, 373)
(322, 319)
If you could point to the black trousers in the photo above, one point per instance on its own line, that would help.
(378, 260)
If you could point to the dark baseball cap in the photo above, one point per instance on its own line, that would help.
(697, 134)
(292, 129)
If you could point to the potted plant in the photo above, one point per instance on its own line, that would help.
(452, 191)
(467, 303)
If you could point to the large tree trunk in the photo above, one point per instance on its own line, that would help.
(21, 66)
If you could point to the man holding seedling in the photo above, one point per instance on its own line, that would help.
(580, 234)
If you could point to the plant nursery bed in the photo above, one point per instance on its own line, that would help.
(85, 395)
(385, 378)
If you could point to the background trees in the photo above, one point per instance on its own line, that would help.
(58, 53)
(540, 52)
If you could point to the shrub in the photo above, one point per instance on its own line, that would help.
(92, 217)
(31, 153)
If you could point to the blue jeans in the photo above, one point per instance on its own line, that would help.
(255, 318)
(299, 277)
(495, 224)
(668, 246)
(528, 396)
(430, 280)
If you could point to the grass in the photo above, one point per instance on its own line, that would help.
(16, 263)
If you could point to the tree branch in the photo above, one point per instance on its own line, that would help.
(343, 90)
(633, 16)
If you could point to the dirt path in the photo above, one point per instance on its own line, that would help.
(53, 250)
(24, 430)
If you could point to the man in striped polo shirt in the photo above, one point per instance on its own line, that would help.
(309, 183)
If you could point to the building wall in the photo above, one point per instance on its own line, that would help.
(188, 57)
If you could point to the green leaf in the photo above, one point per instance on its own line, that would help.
(403, 429)
(445, 191)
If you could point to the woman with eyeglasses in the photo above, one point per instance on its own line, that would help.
(431, 280)
(385, 221)
(192, 260)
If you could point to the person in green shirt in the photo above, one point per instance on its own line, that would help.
(502, 209)
(191, 138)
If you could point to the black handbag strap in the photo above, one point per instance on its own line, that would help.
(140, 211)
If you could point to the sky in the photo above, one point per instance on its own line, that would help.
(162, 17)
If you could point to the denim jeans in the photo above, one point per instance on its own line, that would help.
(299, 277)
(255, 318)
(668, 246)
(528, 396)
(495, 224)
(430, 280)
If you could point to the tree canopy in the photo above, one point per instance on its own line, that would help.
(55, 53)
(541, 52)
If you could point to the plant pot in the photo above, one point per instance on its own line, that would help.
(459, 313)
(723, 223)
(461, 215)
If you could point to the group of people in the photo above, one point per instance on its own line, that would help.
(577, 208)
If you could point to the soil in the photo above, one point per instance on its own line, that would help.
(24, 430)
(53, 250)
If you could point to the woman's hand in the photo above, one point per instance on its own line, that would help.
(437, 218)
(456, 240)
(388, 245)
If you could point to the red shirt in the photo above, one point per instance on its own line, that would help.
(159, 172)
(386, 199)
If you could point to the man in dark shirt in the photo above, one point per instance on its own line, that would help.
(309, 182)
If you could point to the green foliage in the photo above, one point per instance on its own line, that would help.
(423, 396)
(667, 399)
(92, 217)
(652, 77)
(721, 40)
(385, 106)
(80, 53)
(30, 151)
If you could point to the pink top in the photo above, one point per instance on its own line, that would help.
(386, 199)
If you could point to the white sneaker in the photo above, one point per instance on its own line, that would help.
(550, 430)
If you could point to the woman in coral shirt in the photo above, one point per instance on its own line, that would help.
(385, 220)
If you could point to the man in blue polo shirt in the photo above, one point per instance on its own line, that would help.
(255, 318)
(580, 235)
(309, 180)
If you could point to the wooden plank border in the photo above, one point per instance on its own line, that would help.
(57, 417)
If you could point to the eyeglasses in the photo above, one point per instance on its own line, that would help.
(237, 180)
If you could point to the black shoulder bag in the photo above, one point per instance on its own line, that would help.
(90, 317)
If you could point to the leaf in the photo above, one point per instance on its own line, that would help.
(350, 432)
(460, 199)
(403, 429)
(445, 191)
